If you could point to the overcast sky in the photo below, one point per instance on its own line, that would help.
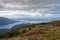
(41, 10)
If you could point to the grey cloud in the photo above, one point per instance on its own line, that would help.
(32, 4)
(40, 6)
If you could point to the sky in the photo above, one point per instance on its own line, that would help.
(30, 10)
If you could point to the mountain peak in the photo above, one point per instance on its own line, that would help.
(5, 21)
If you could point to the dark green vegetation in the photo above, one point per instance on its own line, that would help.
(41, 31)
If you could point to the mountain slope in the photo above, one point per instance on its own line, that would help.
(3, 30)
(5, 21)
(19, 26)
(33, 32)
(55, 23)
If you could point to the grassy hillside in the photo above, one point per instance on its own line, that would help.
(55, 23)
(41, 31)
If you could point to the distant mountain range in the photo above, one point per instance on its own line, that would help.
(5, 21)
(9, 24)
(3, 30)
(16, 26)
(19, 25)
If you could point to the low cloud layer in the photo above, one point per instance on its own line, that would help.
(31, 16)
